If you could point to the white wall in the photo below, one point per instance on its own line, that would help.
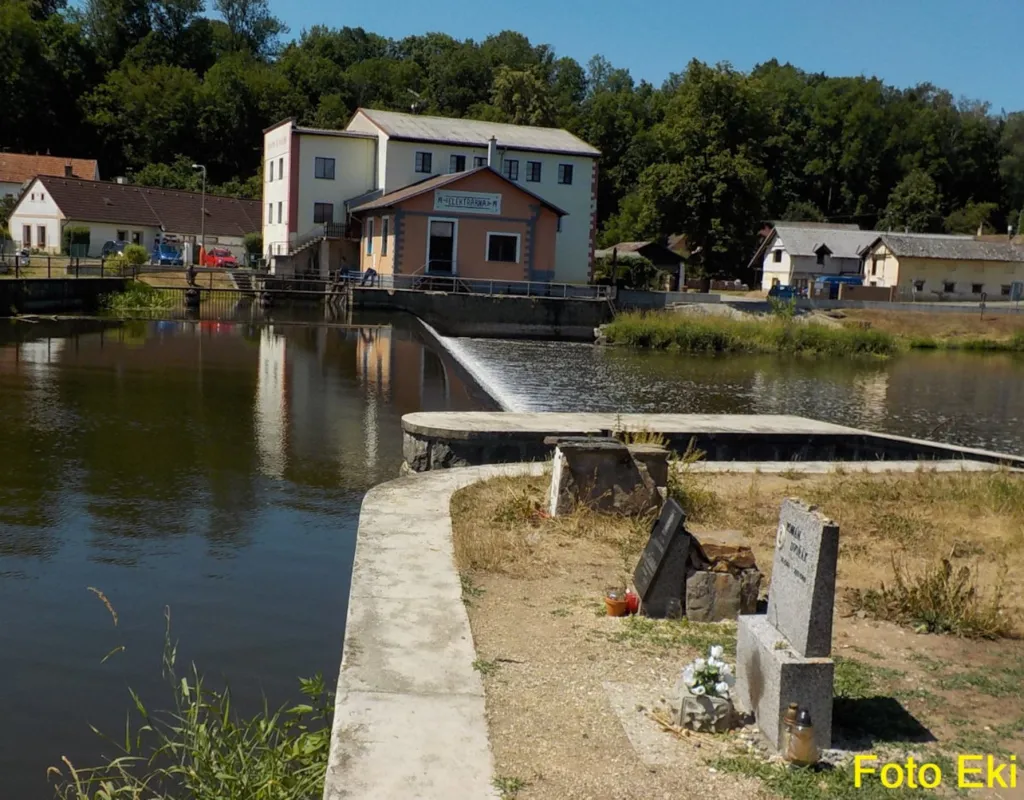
(354, 174)
(277, 144)
(360, 124)
(776, 270)
(573, 245)
(36, 208)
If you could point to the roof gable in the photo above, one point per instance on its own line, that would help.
(947, 246)
(475, 133)
(439, 181)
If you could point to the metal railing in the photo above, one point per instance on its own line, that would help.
(453, 284)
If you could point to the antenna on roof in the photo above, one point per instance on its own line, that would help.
(415, 105)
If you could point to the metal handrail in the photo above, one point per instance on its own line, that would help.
(455, 284)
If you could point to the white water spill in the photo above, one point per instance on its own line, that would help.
(965, 399)
(481, 370)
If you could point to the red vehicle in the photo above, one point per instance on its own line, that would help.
(220, 257)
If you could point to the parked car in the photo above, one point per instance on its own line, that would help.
(220, 257)
(165, 255)
(112, 248)
(786, 292)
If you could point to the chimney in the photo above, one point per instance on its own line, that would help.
(121, 180)
(68, 172)
(492, 153)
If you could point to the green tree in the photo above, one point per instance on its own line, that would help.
(802, 211)
(523, 97)
(914, 205)
(253, 28)
(972, 218)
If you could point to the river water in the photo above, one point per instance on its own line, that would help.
(213, 468)
(217, 469)
(961, 398)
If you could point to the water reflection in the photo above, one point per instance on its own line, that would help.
(216, 468)
(967, 399)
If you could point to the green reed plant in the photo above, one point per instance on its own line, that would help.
(203, 749)
(138, 296)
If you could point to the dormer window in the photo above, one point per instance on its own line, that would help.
(821, 252)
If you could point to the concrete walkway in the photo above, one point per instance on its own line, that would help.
(409, 718)
(828, 467)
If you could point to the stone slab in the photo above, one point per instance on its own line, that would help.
(770, 676)
(421, 747)
(599, 473)
(409, 716)
(660, 575)
(717, 596)
(802, 594)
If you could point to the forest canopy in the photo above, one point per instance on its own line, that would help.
(150, 86)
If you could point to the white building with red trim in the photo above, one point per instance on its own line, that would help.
(313, 178)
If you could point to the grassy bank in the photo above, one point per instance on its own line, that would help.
(661, 330)
(138, 297)
(947, 330)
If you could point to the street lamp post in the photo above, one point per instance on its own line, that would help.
(202, 222)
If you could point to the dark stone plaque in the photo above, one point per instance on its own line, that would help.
(660, 574)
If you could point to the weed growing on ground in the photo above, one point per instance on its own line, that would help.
(939, 599)
(203, 750)
(510, 787)
(485, 667)
(646, 632)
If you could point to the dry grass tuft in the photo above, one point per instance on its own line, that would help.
(939, 599)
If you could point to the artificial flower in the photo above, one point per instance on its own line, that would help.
(717, 651)
(699, 690)
(722, 689)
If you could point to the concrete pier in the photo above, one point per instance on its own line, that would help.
(443, 440)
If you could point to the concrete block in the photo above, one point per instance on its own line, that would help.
(770, 676)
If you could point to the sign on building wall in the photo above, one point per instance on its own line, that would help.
(467, 202)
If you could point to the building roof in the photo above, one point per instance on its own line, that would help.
(329, 132)
(807, 238)
(780, 223)
(173, 211)
(438, 181)
(947, 246)
(19, 167)
(477, 133)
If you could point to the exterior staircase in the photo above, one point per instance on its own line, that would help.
(313, 237)
(243, 280)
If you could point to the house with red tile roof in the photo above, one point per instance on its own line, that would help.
(125, 212)
(17, 169)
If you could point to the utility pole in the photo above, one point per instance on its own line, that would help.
(202, 222)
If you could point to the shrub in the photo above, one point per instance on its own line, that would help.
(940, 599)
(138, 297)
(136, 255)
(116, 264)
(253, 244)
(76, 240)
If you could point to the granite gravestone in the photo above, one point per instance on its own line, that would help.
(803, 586)
(660, 574)
(782, 656)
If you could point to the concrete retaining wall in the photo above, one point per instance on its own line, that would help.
(468, 439)
(492, 316)
(629, 299)
(38, 295)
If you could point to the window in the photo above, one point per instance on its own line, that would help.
(369, 237)
(279, 215)
(776, 254)
(324, 168)
(270, 213)
(948, 286)
(26, 236)
(511, 169)
(323, 212)
(918, 286)
(533, 171)
(874, 265)
(33, 197)
(977, 288)
(479, 161)
(41, 236)
(821, 257)
(136, 237)
(1004, 290)
(558, 225)
(280, 169)
(503, 247)
(122, 236)
(270, 177)
(424, 162)
(384, 224)
(42, 198)
(457, 164)
(565, 174)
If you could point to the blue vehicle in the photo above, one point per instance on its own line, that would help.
(165, 255)
(786, 292)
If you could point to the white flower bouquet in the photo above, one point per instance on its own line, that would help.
(710, 676)
(704, 687)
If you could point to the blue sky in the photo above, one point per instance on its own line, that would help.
(967, 46)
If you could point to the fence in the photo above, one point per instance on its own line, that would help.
(455, 285)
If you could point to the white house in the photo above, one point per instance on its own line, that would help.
(313, 177)
(795, 253)
(17, 169)
(127, 213)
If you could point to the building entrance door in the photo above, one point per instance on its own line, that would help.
(441, 247)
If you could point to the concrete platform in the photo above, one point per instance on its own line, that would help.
(440, 440)
(409, 717)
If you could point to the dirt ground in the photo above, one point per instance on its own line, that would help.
(936, 324)
(570, 690)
